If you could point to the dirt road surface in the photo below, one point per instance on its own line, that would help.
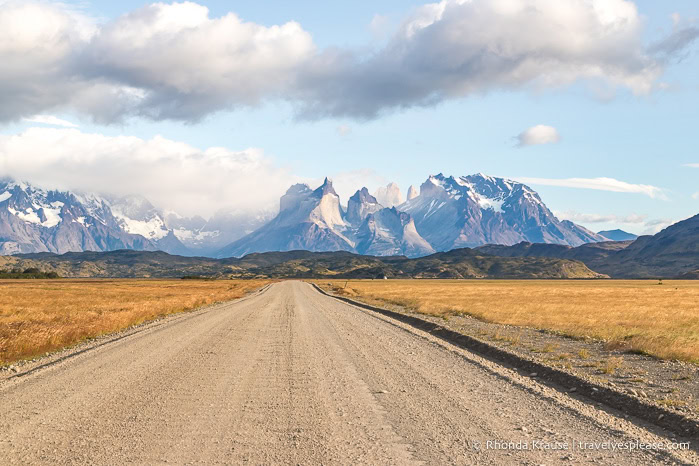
(290, 376)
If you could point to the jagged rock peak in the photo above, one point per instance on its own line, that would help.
(325, 188)
(412, 192)
(360, 205)
(389, 195)
(362, 195)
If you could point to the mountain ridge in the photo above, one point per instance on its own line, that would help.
(617, 235)
(671, 253)
(446, 213)
(38, 220)
(458, 264)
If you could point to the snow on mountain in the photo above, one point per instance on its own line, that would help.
(473, 210)
(448, 212)
(137, 216)
(388, 232)
(389, 196)
(313, 220)
(205, 237)
(37, 220)
(328, 212)
(383, 231)
(34, 206)
(361, 205)
(308, 219)
(96, 206)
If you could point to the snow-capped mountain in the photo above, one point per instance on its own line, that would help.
(308, 219)
(470, 211)
(383, 231)
(360, 206)
(314, 220)
(136, 215)
(447, 213)
(389, 232)
(205, 237)
(37, 220)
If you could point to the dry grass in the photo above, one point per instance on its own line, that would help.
(672, 403)
(637, 316)
(611, 365)
(37, 316)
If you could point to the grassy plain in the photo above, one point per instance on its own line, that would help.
(37, 316)
(635, 315)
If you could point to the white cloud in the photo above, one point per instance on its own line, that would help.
(457, 48)
(161, 61)
(632, 219)
(50, 120)
(173, 175)
(656, 225)
(189, 64)
(601, 184)
(695, 195)
(175, 61)
(39, 44)
(637, 223)
(692, 165)
(539, 134)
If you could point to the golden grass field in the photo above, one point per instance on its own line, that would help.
(37, 316)
(639, 315)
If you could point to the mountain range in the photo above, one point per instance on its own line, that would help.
(446, 213)
(314, 220)
(37, 220)
(458, 263)
(673, 252)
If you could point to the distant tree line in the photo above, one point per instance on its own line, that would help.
(31, 272)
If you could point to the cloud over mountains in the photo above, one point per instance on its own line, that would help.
(175, 61)
(172, 174)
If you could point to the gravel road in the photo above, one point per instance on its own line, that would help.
(289, 376)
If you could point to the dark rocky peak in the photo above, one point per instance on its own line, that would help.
(360, 205)
(325, 188)
(362, 196)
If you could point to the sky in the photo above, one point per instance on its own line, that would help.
(223, 105)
